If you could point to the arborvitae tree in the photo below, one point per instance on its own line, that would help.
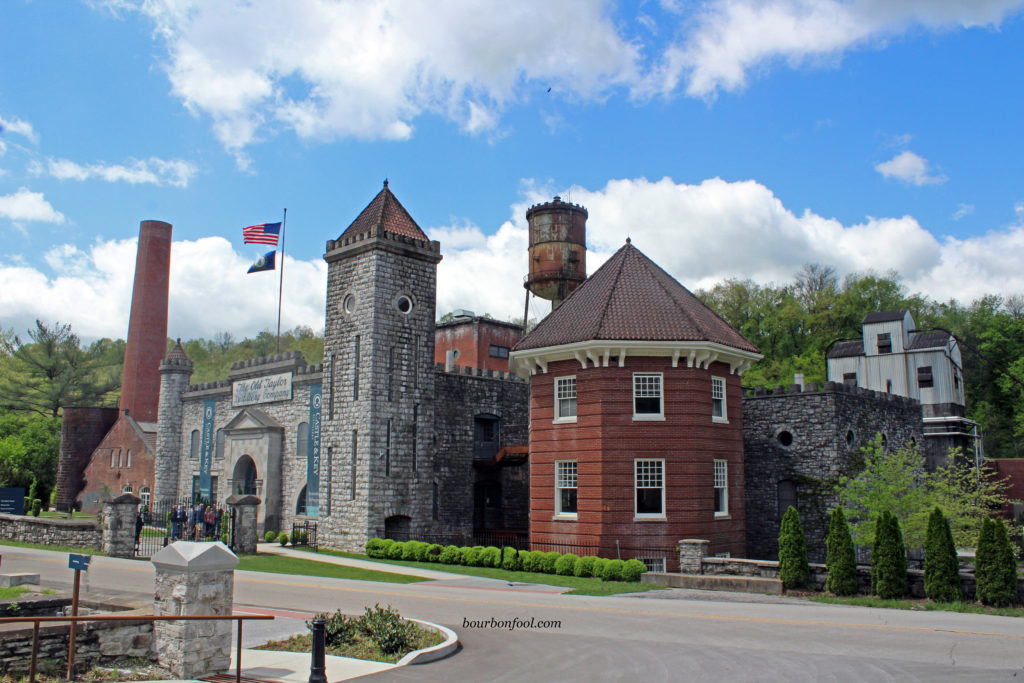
(941, 568)
(793, 568)
(889, 559)
(840, 559)
(995, 569)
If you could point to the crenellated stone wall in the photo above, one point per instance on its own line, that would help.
(802, 440)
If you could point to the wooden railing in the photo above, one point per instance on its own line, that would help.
(115, 617)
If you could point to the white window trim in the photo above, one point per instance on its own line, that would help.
(724, 417)
(724, 514)
(568, 419)
(558, 493)
(650, 417)
(649, 516)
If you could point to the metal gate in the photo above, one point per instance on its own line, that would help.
(165, 522)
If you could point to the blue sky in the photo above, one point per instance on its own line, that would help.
(727, 138)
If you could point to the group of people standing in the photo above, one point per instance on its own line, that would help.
(196, 522)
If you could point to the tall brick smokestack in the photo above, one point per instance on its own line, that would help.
(147, 326)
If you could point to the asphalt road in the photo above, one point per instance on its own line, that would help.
(671, 635)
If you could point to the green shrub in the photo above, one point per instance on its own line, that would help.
(339, 629)
(612, 570)
(282, 538)
(598, 569)
(37, 507)
(396, 550)
(995, 569)
(510, 559)
(548, 561)
(794, 571)
(490, 557)
(471, 555)
(584, 566)
(941, 567)
(452, 554)
(409, 550)
(632, 569)
(386, 628)
(296, 537)
(375, 547)
(530, 560)
(565, 565)
(434, 551)
(889, 559)
(840, 558)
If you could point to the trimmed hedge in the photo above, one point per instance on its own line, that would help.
(840, 559)
(941, 567)
(565, 565)
(794, 572)
(507, 558)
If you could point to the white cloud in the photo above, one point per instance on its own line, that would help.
(962, 210)
(16, 125)
(153, 171)
(732, 38)
(91, 289)
(911, 169)
(329, 69)
(25, 205)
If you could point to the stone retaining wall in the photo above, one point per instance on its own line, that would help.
(73, 533)
(95, 642)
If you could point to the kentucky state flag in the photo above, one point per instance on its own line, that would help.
(265, 262)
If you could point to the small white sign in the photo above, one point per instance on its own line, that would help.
(247, 392)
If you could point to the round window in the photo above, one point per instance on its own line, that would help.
(404, 304)
(785, 438)
(349, 304)
(849, 438)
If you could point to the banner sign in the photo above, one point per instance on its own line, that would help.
(206, 448)
(12, 501)
(79, 562)
(313, 453)
(247, 392)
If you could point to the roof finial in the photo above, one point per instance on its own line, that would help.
(628, 241)
(385, 182)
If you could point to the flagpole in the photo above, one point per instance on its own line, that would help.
(280, 286)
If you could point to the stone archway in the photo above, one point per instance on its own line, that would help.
(244, 478)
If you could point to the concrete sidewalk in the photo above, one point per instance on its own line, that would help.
(293, 667)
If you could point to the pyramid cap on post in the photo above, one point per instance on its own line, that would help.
(191, 556)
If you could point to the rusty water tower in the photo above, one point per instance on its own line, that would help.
(558, 251)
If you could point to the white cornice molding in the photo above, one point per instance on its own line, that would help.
(598, 353)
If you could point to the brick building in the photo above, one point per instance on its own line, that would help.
(636, 435)
(475, 341)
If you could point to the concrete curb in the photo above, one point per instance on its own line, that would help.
(435, 652)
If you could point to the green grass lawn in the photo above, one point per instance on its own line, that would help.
(579, 585)
(63, 515)
(54, 548)
(290, 565)
(12, 592)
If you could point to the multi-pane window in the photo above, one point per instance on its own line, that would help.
(497, 351)
(718, 413)
(650, 487)
(144, 495)
(565, 487)
(193, 449)
(565, 399)
(721, 488)
(924, 377)
(647, 395)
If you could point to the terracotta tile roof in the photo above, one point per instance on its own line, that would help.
(386, 211)
(630, 298)
(177, 353)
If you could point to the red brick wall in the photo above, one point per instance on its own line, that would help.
(147, 326)
(121, 438)
(606, 440)
(81, 430)
(473, 339)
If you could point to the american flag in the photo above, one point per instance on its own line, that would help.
(264, 233)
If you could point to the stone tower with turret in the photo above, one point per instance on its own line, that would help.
(378, 412)
(175, 372)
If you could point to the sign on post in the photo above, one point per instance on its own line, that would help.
(80, 562)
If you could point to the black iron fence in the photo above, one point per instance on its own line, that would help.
(304, 533)
(165, 522)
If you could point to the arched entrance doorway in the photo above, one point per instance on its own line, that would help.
(244, 480)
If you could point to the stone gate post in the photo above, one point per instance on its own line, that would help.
(194, 579)
(246, 527)
(118, 525)
(692, 552)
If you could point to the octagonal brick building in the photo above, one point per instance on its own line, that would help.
(636, 418)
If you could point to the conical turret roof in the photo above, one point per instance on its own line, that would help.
(630, 298)
(388, 213)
